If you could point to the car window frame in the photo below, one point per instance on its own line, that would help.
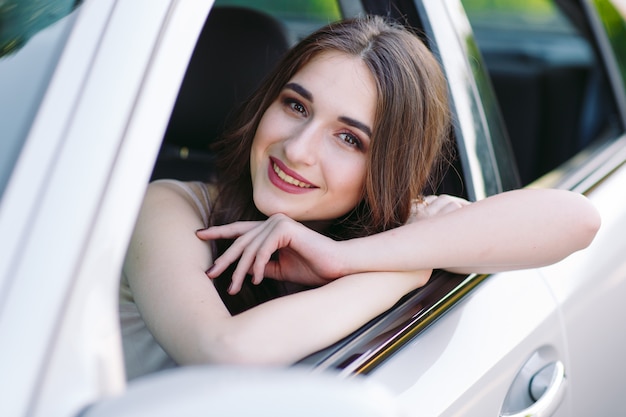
(70, 342)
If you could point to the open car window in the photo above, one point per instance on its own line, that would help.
(208, 96)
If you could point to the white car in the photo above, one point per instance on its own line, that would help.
(96, 99)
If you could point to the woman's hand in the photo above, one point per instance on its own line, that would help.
(304, 256)
(434, 205)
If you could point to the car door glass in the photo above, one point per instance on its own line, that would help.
(552, 90)
(32, 35)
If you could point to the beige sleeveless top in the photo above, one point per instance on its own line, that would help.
(142, 353)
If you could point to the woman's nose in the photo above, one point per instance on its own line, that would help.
(304, 145)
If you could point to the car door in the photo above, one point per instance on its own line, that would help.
(72, 198)
(579, 62)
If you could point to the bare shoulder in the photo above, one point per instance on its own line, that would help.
(166, 225)
(197, 196)
(171, 189)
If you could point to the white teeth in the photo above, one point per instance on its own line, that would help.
(289, 179)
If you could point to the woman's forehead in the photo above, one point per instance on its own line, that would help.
(340, 80)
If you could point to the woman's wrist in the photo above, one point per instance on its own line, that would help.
(391, 251)
(356, 256)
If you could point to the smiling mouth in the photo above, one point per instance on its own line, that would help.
(288, 178)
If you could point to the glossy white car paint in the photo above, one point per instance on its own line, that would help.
(233, 391)
(589, 288)
(465, 363)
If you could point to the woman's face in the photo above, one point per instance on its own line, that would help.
(309, 154)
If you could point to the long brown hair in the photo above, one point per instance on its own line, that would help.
(411, 125)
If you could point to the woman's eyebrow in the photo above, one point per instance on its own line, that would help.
(344, 119)
(300, 90)
(355, 123)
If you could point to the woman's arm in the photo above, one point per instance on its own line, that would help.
(286, 329)
(513, 230)
(165, 268)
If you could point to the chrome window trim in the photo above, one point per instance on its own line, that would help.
(599, 162)
(362, 352)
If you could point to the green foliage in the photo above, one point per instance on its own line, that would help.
(312, 8)
(513, 6)
(22, 19)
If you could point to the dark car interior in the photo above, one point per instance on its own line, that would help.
(236, 49)
(552, 91)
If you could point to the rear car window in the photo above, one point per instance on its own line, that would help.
(552, 88)
(32, 35)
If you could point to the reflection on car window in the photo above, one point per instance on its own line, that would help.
(31, 37)
(551, 87)
(516, 15)
(300, 16)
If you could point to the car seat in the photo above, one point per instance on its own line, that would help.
(236, 49)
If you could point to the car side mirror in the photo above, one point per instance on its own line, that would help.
(243, 391)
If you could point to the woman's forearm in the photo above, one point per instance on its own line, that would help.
(513, 230)
(289, 328)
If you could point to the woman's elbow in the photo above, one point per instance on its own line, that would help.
(586, 223)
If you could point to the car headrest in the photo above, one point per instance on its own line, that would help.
(236, 49)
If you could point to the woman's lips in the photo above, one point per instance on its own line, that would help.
(286, 179)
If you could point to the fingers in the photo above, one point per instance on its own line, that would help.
(444, 204)
(253, 247)
(243, 233)
(434, 205)
(228, 231)
(230, 256)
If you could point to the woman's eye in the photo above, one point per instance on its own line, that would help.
(296, 106)
(350, 139)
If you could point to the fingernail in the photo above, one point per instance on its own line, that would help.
(201, 230)
(208, 271)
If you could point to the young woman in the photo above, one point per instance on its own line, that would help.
(321, 189)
